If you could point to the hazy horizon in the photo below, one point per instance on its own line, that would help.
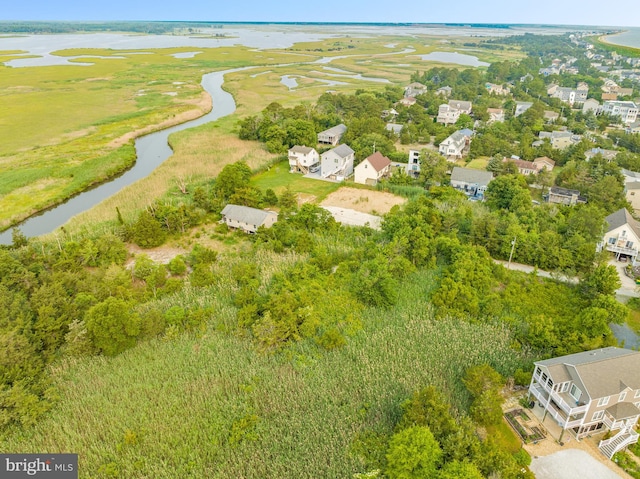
(544, 12)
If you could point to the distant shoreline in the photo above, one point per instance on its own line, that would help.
(607, 40)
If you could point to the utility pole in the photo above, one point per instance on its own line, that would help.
(513, 246)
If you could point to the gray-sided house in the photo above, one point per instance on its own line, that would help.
(565, 196)
(337, 163)
(247, 219)
(591, 391)
(333, 135)
(471, 182)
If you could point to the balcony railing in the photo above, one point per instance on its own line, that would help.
(621, 249)
(571, 408)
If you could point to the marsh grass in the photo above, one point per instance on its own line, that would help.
(211, 406)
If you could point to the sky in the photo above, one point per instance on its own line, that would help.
(557, 12)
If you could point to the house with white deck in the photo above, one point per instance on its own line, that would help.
(622, 235)
(337, 163)
(333, 135)
(456, 145)
(303, 159)
(589, 392)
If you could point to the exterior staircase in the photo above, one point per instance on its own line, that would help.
(618, 442)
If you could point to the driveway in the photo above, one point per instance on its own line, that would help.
(570, 464)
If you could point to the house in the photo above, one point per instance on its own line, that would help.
(447, 115)
(633, 127)
(590, 104)
(495, 115)
(394, 128)
(303, 159)
(524, 167)
(408, 101)
(551, 116)
(444, 91)
(632, 193)
(372, 169)
(333, 135)
(626, 110)
(247, 219)
(495, 89)
(456, 145)
(564, 196)
(544, 163)
(461, 106)
(471, 182)
(591, 391)
(521, 107)
(606, 154)
(559, 139)
(630, 176)
(413, 164)
(337, 163)
(414, 89)
(527, 77)
(622, 235)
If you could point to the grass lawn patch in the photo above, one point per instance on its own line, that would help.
(478, 163)
(504, 435)
(277, 177)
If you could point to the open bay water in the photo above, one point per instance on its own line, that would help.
(629, 38)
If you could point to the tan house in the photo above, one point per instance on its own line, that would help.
(495, 115)
(544, 163)
(524, 167)
(622, 236)
(591, 391)
(632, 191)
(303, 159)
(333, 135)
(372, 169)
(247, 219)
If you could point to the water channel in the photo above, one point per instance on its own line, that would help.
(151, 151)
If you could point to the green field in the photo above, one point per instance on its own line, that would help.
(278, 178)
(254, 415)
(61, 124)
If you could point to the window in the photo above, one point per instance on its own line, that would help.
(629, 244)
(575, 392)
(603, 401)
(612, 241)
(637, 395)
(565, 387)
(539, 371)
(622, 396)
(544, 377)
(597, 416)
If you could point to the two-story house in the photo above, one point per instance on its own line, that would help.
(456, 145)
(337, 163)
(622, 235)
(565, 196)
(372, 169)
(591, 391)
(303, 159)
(626, 110)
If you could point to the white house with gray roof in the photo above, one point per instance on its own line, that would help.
(622, 235)
(521, 107)
(333, 135)
(302, 159)
(337, 163)
(591, 391)
(456, 145)
(247, 219)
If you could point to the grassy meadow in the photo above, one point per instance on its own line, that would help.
(295, 414)
(67, 127)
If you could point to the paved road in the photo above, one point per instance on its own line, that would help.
(628, 289)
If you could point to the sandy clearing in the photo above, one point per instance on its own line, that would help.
(364, 201)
